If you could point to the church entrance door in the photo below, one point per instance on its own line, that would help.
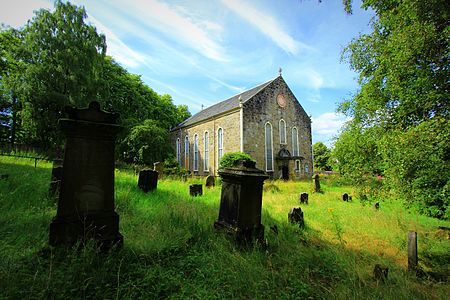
(285, 172)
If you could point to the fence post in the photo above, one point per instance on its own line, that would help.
(412, 251)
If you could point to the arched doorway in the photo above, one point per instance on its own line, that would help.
(284, 156)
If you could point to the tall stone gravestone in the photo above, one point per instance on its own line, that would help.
(316, 182)
(86, 200)
(241, 201)
(148, 180)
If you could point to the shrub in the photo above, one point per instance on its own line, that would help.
(231, 159)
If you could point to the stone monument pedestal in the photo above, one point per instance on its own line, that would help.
(241, 201)
(86, 200)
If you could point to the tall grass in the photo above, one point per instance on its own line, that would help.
(172, 251)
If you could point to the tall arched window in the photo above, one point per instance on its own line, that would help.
(295, 150)
(282, 125)
(206, 154)
(186, 152)
(178, 146)
(306, 168)
(195, 152)
(220, 143)
(268, 146)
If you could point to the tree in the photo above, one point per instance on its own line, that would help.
(321, 157)
(403, 107)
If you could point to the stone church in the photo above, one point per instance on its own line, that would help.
(267, 122)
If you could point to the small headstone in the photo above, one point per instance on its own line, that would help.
(316, 183)
(148, 180)
(184, 177)
(195, 190)
(304, 198)
(158, 167)
(210, 181)
(350, 198)
(376, 206)
(345, 197)
(295, 216)
(380, 273)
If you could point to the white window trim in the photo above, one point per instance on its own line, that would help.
(218, 145)
(206, 152)
(279, 125)
(186, 152)
(265, 145)
(195, 152)
(178, 146)
(294, 144)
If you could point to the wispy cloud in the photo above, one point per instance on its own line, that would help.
(267, 24)
(180, 27)
(328, 123)
(14, 17)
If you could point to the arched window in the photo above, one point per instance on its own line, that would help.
(178, 146)
(195, 152)
(306, 168)
(282, 125)
(295, 150)
(206, 154)
(220, 143)
(186, 152)
(268, 146)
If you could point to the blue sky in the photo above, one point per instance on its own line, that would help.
(204, 51)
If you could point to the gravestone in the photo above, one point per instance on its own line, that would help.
(148, 180)
(376, 206)
(304, 198)
(55, 182)
(412, 251)
(159, 167)
(184, 178)
(241, 201)
(316, 182)
(195, 190)
(295, 216)
(350, 198)
(380, 273)
(210, 181)
(345, 197)
(86, 200)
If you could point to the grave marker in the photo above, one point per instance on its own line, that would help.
(210, 181)
(148, 180)
(316, 182)
(304, 198)
(295, 216)
(86, 200)
(195, 190)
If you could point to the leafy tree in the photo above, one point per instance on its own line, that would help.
(322, 156)
(403, 104)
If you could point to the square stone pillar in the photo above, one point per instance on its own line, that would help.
(86, 200)
(241, 202)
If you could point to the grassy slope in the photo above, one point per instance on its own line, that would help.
(171, 249)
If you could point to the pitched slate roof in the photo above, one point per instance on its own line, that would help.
(223, 106)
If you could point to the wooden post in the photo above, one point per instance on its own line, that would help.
(412, 251)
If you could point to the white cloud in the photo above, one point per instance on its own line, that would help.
(328, 123)
(181, 27)
(16, 13)
(267, 24)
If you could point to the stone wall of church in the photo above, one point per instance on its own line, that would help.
(229, 123)
(262, 109)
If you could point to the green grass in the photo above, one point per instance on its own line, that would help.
(172, 251)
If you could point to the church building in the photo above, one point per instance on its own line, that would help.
(267, 122)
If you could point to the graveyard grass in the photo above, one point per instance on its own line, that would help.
(172, 251)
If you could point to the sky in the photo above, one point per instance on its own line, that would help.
(204, 51)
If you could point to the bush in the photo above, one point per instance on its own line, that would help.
(231, 159)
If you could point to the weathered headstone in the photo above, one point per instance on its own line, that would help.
(412, 251)
(184, 178)
(380, 273)
(350, 198)
(159, 167)
(86, 200)
(345, 197)
(304, 198)
(57, 173)
(195, 190)
(210, 181)
(316, 182)
(295, 216)
(376, 206)
(148, 180)
(241, 201)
